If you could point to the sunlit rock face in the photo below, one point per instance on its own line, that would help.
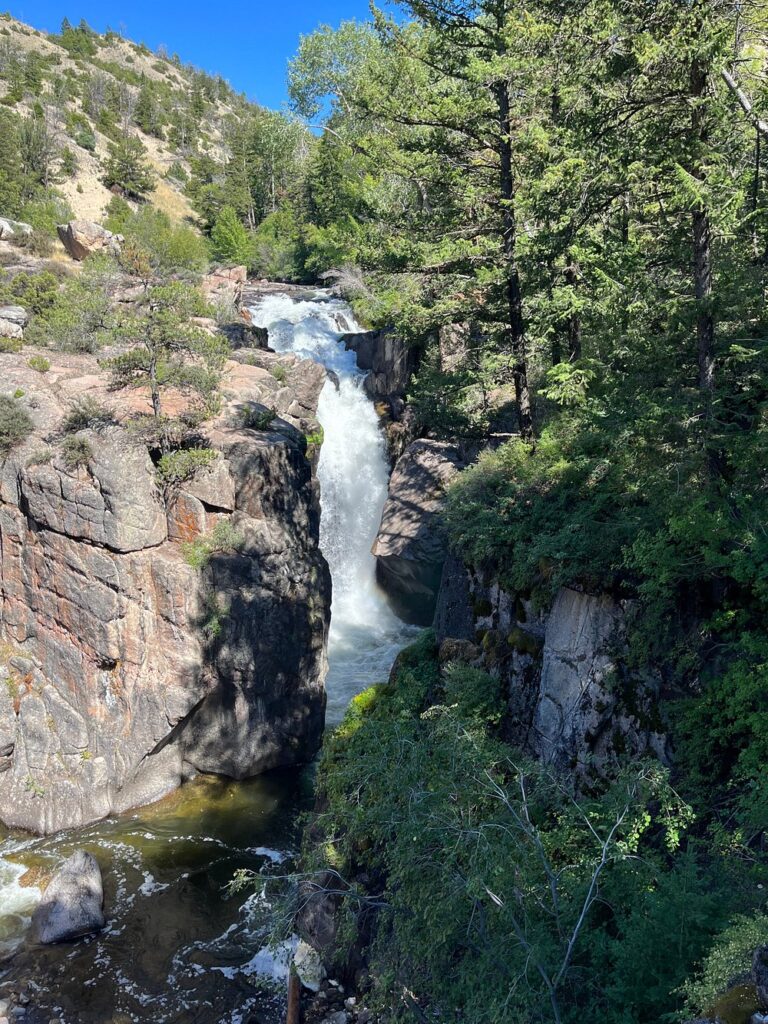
(126, 664)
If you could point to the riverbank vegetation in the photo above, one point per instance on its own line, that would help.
(481, 889)
(578, 194)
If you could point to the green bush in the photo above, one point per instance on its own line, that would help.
(166, 248)
(255, 417)
(223, 537)
(76, 452)
(37, 292)
(729, 959)
(176, 467)
(81, 318)
(15, 424)
(10, 345)
(39, 363)
(471, 868)
(87, 412)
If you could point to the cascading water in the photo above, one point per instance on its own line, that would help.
(178, 947)
(365, 634)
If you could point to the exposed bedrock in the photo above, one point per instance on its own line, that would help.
(410, 547)
(128, 664)
(571, 699)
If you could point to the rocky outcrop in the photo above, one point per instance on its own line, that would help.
(128, 661)
(13, 320)
(13, 230)
(82, 237)
(73, 902)
(224, 286)
(390, 363)
(410, 547)
(571, 700)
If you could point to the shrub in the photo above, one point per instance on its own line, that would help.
(36, 292)
(280, 372)
(10, 345)
(730, 957)
(87, 412)
(255, 417)
(156, 246)
(81, 317)
(177, 172)
(76, 452)
(223, 537)
(117, 214)
(175, 467)
(15, 424)
(39, 363)
(40, 457)
(127, 167)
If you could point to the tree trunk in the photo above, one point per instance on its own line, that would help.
(702, 246)
(514, 298)
(574, 320)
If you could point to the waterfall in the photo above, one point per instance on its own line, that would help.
(365, 633)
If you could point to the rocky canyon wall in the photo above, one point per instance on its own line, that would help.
(150, 632)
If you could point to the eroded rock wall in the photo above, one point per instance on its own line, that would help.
(571, 700)
(125, 665)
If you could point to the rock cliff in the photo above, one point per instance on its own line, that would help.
(143, 628)
(571, 700)
(410, 547)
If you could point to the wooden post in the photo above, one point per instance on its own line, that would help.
(293, 1012)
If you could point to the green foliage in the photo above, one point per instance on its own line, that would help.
(15, 424)
(168, 351)
(279, 247)
(127, 168)
(729, 958)
(39, 363)
(117, 214)
(485, 871)
(255, 417)
(69, 163)
(11, 175)
(87, 413)
(76, 452)
(37, 292)
(223, 537)
(178, 466)
(155, 246)
(79, 42)
(81, 318)
(230, 242)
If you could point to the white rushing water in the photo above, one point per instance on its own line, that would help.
(365, 633)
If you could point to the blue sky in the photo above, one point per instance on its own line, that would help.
(248, 43)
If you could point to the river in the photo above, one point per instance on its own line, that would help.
(179, 946)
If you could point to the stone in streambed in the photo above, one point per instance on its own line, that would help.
(73, 904)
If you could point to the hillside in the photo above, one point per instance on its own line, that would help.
(86, 89)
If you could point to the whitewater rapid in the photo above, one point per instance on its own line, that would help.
(365, 634)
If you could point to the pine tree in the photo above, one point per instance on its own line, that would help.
(127, 168)
(230, 241)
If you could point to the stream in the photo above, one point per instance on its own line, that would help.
(178, 945)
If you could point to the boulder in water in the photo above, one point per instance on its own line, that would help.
(73, 903)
